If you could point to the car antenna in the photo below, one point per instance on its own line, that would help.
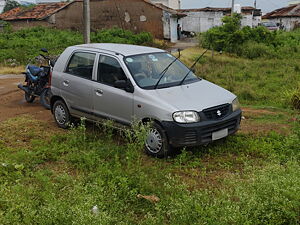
(161, 75)
(191, 68)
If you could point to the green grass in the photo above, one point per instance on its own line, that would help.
(259, 82)
(59, 178)
(53, 176)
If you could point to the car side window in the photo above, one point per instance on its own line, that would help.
(81, 64)
(109, 70)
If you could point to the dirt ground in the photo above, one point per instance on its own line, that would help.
(12, 104)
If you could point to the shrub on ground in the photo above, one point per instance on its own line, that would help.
(25, 44)
(252, 50)
(295, 99)
(251, 42)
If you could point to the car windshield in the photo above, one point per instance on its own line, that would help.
(146, 70)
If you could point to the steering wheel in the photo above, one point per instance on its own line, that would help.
(140, 76)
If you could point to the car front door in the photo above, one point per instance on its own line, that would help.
(109, 101)
(77, 84)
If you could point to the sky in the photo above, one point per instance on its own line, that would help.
(265, 5)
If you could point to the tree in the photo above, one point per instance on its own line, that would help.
(10, 4)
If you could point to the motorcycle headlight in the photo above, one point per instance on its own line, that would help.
(186, 117)
(235, 105)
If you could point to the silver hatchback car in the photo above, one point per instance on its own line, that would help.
(125, 83)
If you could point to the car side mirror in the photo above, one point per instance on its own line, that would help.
(124, 84)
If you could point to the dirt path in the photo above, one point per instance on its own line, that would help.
(12, 102)
(184, 44)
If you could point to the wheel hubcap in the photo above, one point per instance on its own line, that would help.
(154, 141)
(60, 114)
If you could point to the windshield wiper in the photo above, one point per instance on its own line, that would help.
(161, 75)
(191, 68)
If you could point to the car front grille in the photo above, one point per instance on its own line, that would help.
(206, 134)
(217, 112)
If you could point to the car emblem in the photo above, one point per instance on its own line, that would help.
(219, 113)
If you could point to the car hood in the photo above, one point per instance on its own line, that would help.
(195, 96)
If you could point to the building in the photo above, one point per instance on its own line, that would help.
(288, 17)
(134, 15)
(2, 5)
(201, 20)
(173, 4)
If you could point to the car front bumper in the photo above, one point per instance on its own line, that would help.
(200, 133)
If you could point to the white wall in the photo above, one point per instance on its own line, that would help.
(288, 22)
(2, 4)
(247, 20)
(166, 25)
(173, 29)
(256, 21)
(201, 21)
(170, 27)
(174, 4)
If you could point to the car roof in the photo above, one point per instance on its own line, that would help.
(123, 49)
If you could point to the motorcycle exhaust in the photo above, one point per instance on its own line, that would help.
(23, 88)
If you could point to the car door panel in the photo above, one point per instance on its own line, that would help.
(111, 102)
(77, 84)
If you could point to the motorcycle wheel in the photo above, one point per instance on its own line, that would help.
(29, 98)
(45, 98)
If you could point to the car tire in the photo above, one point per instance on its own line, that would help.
(61, 114)
(156, 143)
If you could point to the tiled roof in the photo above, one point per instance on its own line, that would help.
(211, 9)
(42, 11)
(38, 12)
(290, 11)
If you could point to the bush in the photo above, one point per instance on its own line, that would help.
(292, 97)
(295, 99)
(251, 42)
(23, 45)
(117, 35)
(252, 49)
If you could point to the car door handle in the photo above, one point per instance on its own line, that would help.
(66, 83)
(99, 92)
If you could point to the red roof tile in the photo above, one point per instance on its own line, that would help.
(38, 12)
(290, 11)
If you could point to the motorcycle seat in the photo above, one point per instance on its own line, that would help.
(35, 70)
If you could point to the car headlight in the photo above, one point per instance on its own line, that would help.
(186, 117)
(235, 105)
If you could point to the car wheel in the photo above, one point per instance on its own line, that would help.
(156, 143)
(61, 114)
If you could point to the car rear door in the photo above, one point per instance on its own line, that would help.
(77, 84)
(109, 101)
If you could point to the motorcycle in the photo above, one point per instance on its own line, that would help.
(37, 81)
